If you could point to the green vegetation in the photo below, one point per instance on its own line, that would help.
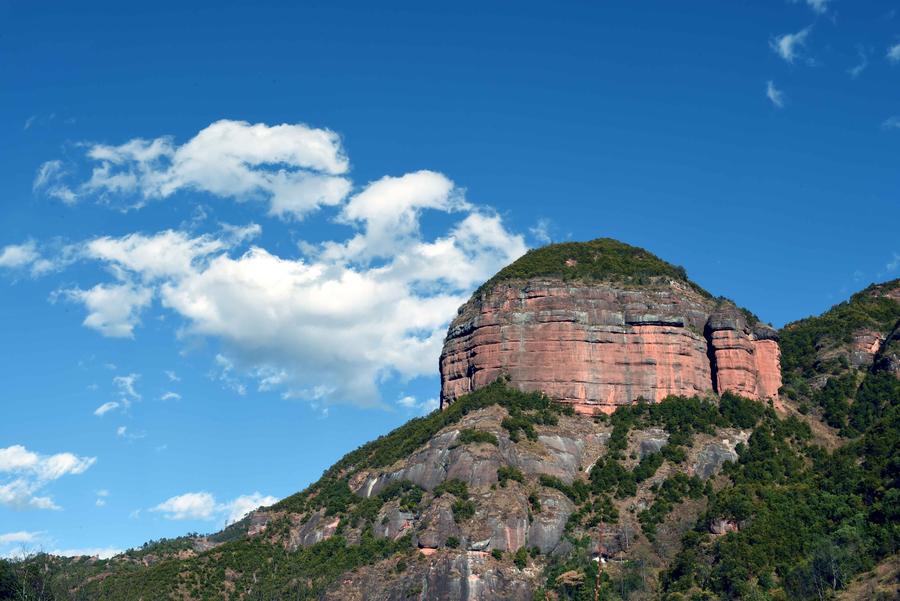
(808, 521)
(469, 436)
(603, 259)
(865, 309)
(332, 491)
(672, 492)
(506, 473)
(851, 399)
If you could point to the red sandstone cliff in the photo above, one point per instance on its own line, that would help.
(597, 345)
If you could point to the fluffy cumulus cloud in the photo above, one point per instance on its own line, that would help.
(204, 506)
(326, 322)
(24, 473)
(789, 45)
(330, 322)
(26, 256)
(292, 167)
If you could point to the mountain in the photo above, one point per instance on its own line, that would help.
(607, 428)
(602, 324)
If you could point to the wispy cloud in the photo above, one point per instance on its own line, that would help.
(818, 6)
(105, 408)
(774, 94)
(892, 122)
(788, 46)
(893, 53)
(857, 69)
(894, 263)
(170, 396)
(122, 432)
(541, 231)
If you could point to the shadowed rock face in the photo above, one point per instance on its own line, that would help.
(599, 345)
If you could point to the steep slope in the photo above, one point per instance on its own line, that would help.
(600, 324)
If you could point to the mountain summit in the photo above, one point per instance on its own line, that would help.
(602, 324)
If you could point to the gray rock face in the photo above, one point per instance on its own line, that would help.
(547, 527)
(457, 576)
(558, 456)
(393, 523)
(714, 455)
(651, 441)
(315, 529)
(474, 577)
(502, 519)
(438, 524)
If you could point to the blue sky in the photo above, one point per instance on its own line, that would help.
(232, 235)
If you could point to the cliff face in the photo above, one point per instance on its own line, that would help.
(597, 345)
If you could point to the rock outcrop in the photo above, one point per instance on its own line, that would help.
(598, 344)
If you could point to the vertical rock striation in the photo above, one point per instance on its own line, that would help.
(597, 345)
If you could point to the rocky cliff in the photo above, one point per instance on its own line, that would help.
(600, 337)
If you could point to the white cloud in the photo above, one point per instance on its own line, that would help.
(171, 396)
(331, 325)
(113, 309)
(203, 506)
(28, 472)
(125, 385)
(49, 177)
(105, 408)
(412, 403)
(774, 94)
(189, 506)
(893, 53)
(892, 122)
(244, 504)
(102, 494)
(173, 377)
(15, 256)
(294, 167)
(27, 255)
(787, 46)
(541, 231)
(20, 537)
(326, 325)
